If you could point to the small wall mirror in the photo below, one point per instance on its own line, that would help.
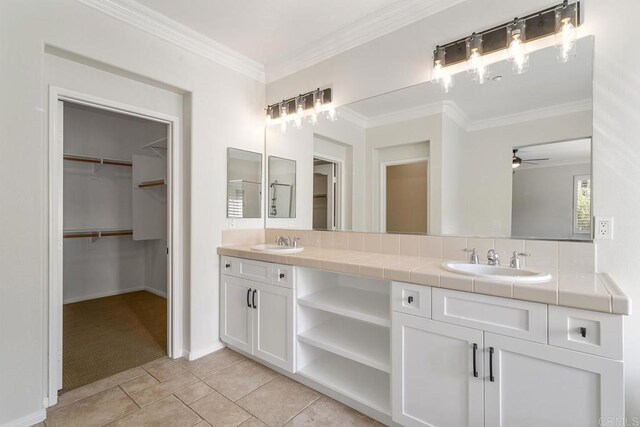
(244, 184)
(282, 188)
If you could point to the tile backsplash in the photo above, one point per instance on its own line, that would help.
(544, 255)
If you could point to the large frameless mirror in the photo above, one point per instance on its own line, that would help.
(507, 158)
(244, 184)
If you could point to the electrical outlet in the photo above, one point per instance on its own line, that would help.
(604, 227)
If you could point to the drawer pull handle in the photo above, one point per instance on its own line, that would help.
(410, 299)
(253, 300)
(248, 292)
(282, 275)
(491, 378)
(227, 265)
(475, 369)
(583, 332)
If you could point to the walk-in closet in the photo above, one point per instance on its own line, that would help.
(115, 248)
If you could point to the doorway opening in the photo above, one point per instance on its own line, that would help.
(326, 194)
(405, 196)
(113, 268)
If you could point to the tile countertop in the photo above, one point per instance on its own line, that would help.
(596, 291)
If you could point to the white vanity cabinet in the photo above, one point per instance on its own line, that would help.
(257, 317)
(521, 379)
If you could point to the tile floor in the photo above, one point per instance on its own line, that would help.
(221, 389)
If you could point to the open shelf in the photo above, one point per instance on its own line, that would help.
(364, 343)
(370, 307)
(368, 386)
(77, 234)
(152, 183)
(97, 160)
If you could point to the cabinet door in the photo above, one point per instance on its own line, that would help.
(236, 312)
(539, 385)
(273, 325)
(433, 382)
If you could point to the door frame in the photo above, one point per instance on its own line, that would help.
(383, 188)
(55, 177)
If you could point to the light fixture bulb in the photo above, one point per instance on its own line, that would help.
(299, 112)
(269, 118)
(517, 48)
(440, 74)
(313, 118)
(566, 31)
(317, 101)
(475, 61)
(283, 117)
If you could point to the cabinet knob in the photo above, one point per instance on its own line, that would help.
(227, 265)
(410, 299)
(583, 332)
(281, 275)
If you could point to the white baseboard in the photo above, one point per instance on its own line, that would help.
(193, 355)
(156, 292)
(28, 420)
(103, 294)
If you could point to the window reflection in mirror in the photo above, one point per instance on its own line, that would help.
(282, 188)
(552, 190)
(244, 184)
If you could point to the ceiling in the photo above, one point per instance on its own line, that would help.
(547, 83)
(559, 153)
(266, 30)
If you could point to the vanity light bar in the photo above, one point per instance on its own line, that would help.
(316, 100)
(537, 25)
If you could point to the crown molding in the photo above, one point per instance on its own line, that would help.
(152, 22)
(377, 24)
(529, 115)
(455, 113)
(351, 116)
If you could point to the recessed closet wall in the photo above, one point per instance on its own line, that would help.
(100, 197)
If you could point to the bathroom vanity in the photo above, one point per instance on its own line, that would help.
(395, 338)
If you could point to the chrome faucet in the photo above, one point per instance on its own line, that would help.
(515, 261)
(493, 258)
(283, 241)
(473, 257)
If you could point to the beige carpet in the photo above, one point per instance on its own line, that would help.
(104, 336)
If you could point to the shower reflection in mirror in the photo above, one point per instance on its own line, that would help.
(244, 184)
(282, 188)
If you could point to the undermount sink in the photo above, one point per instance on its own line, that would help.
(498, 273)
(277, 249)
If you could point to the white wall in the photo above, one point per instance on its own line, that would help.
(404, 56)
(543, 201)
(223, 108)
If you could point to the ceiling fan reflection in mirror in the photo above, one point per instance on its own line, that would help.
(517, 161)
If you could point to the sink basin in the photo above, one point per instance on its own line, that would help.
(277, 249)
(498, 273)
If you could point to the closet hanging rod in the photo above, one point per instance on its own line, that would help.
(97, 160)
(96, 233)
(153, 183)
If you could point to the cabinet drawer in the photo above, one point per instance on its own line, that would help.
(514, 318)
(586, 331)
(229, 266)
(283, 275)
(411, 299)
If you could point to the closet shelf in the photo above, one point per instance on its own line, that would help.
(159, 146)
(97, 160)
(319, 196)
(75, 234)
(153, 183)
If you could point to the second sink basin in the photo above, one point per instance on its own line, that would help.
(498, 273)
(277, 249)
